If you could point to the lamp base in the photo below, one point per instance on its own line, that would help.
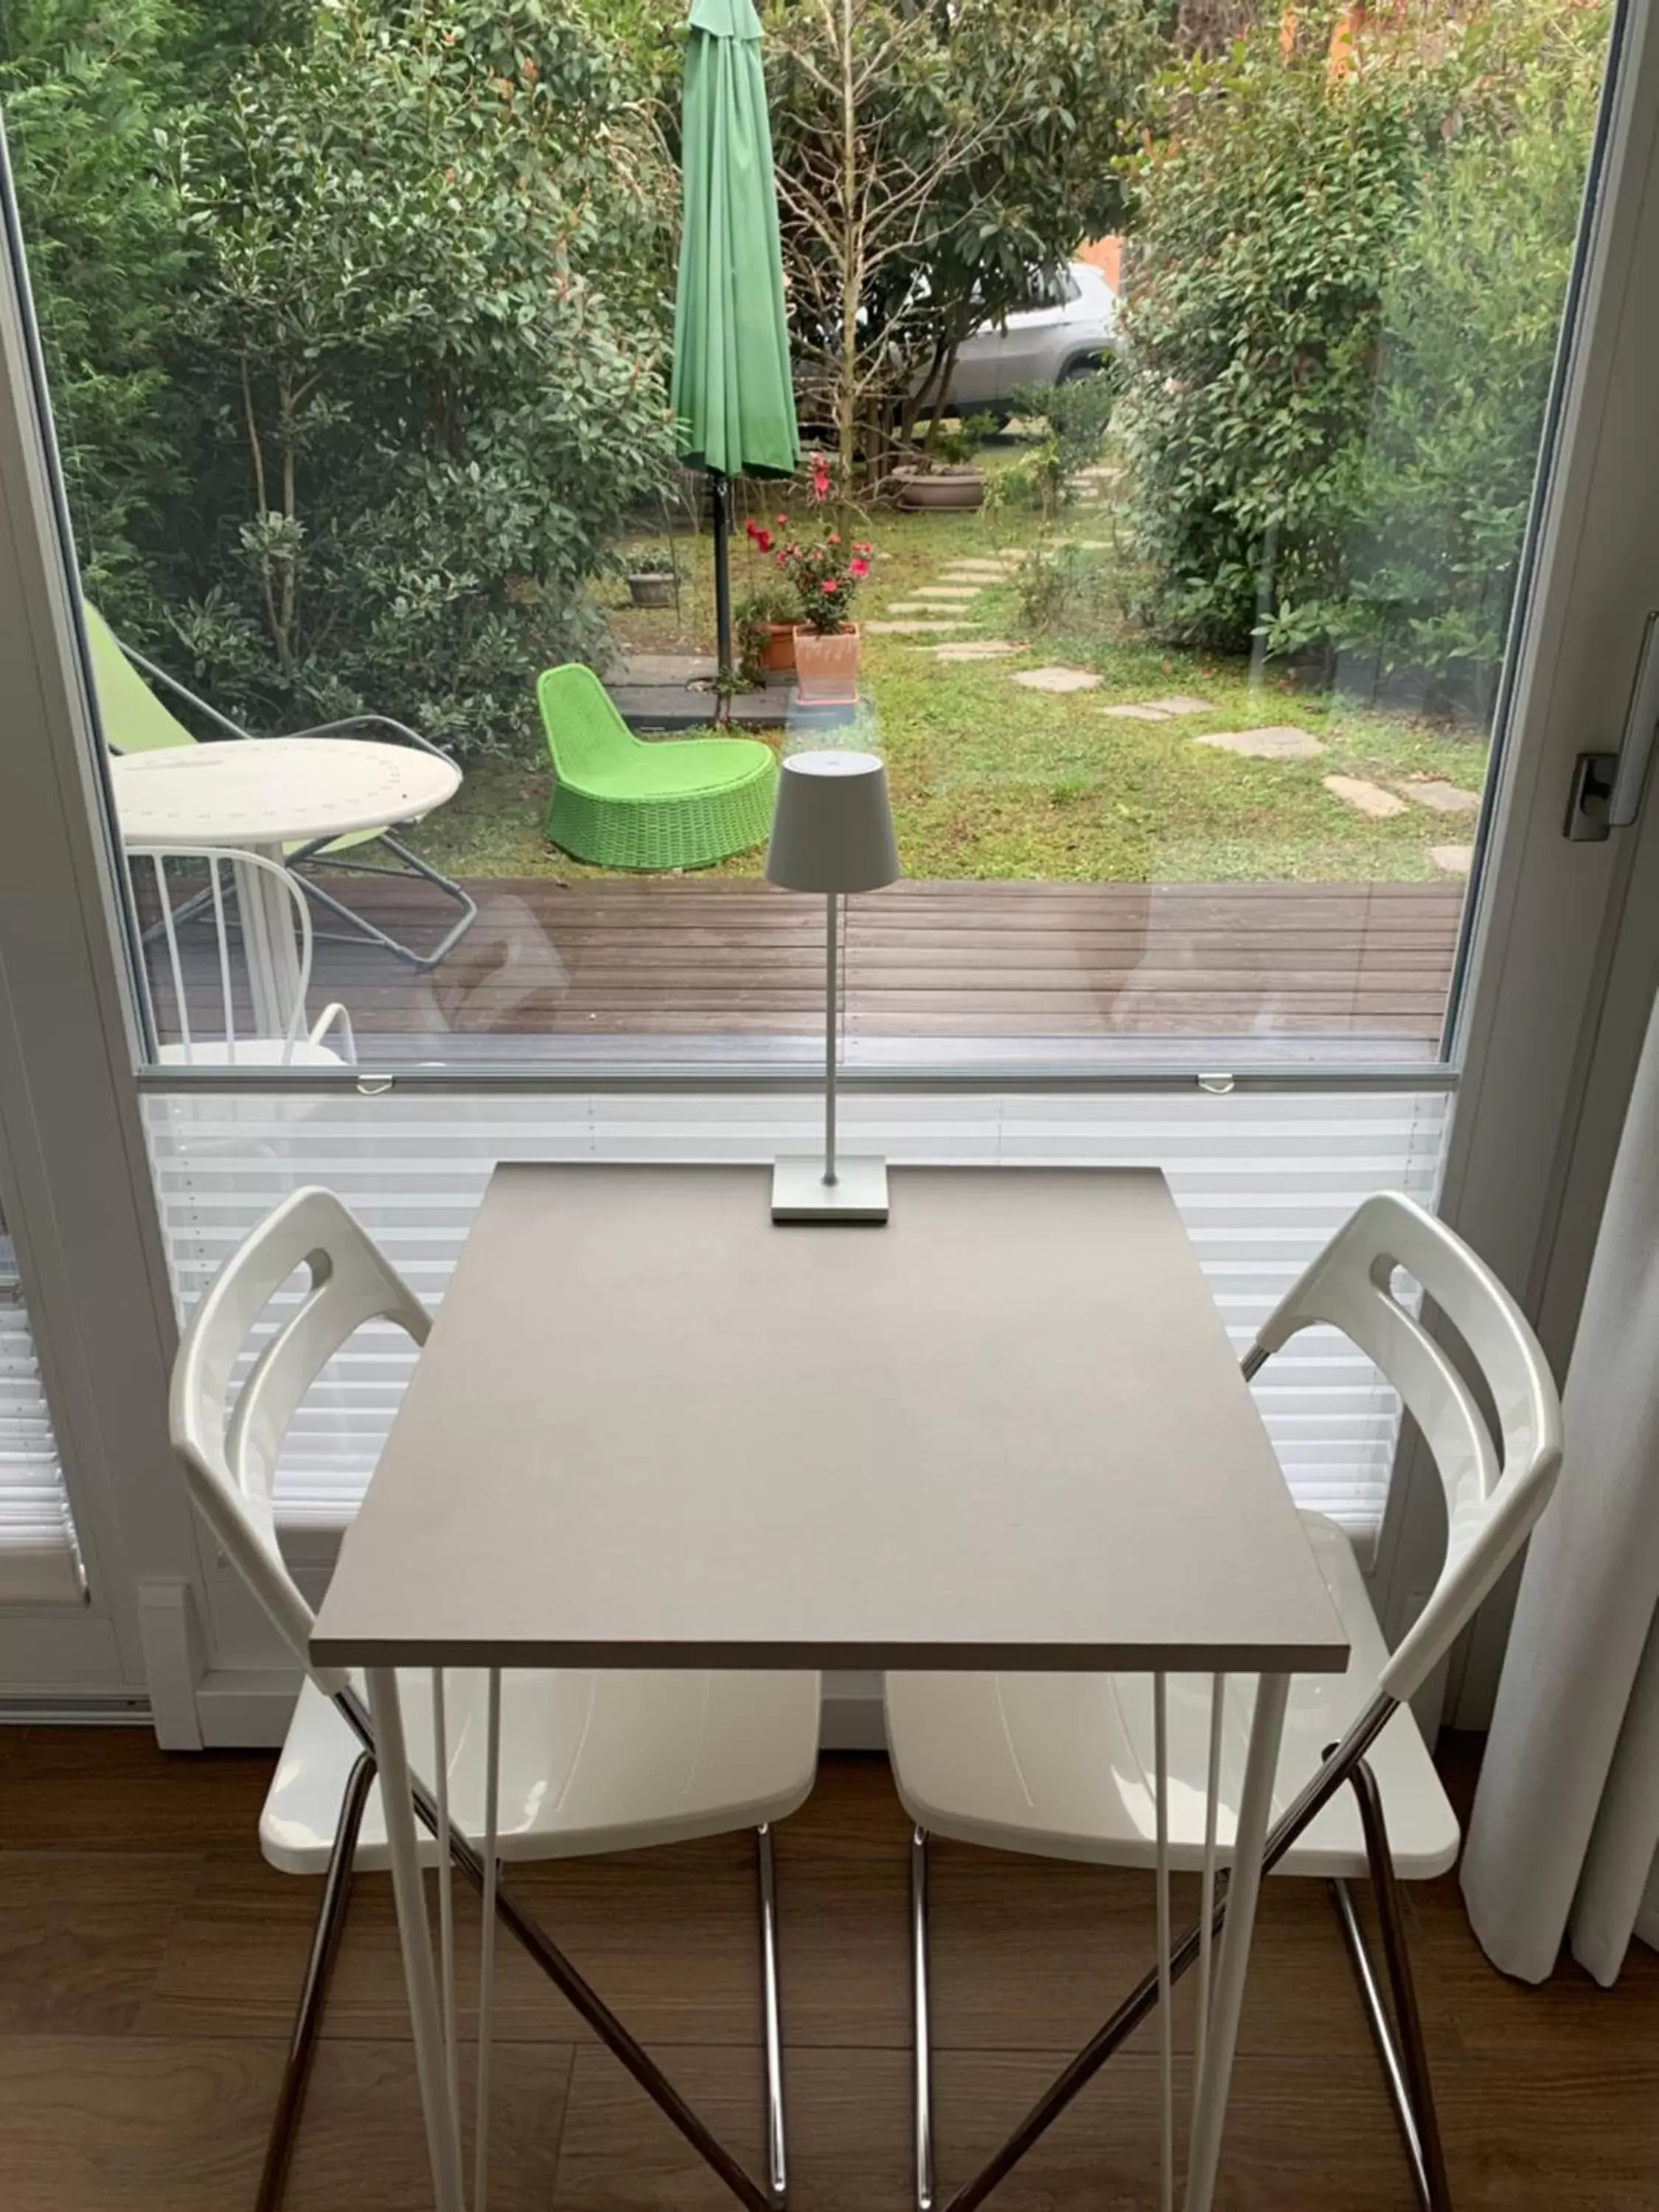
(859, 1194)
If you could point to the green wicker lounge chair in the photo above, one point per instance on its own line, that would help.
(622, 803)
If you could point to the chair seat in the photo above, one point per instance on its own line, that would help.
(673, 768)
(591, 1761)
(1061, 1764)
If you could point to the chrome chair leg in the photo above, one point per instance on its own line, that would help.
(922, 2037)
(777, 2167)
(313, 1996)
(1400, 2042)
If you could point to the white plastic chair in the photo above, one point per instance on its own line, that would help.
(300, 1041)
(1063, 1764)
(589, 1762)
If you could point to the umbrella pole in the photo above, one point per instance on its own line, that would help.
(722, 590)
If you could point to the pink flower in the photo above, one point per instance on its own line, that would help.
(783, 522)
(829, 587)
(858, 566)
(763, 540)
(834, 539)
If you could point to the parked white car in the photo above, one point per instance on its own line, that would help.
(1066, 332)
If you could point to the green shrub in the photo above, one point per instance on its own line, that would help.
(1075, 416)
(1343, 298)
(1472, 309)
(1266, 203)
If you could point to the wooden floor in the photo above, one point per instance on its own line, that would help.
(1354, 965)
(149, 1961)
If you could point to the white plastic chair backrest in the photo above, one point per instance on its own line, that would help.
(230, 1452)
(224, 865)
(1496, 1488)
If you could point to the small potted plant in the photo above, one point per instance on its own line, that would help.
(946, 478)
(826, 576)
(765, 634)
(652, 580)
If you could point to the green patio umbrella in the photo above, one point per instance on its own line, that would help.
(734, 402)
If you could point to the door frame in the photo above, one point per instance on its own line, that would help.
(1539, 1039)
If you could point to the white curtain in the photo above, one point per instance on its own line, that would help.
(1566, 1820)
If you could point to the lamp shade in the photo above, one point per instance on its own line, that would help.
(833, 827)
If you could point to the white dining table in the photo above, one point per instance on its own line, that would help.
(1005, 1430)
(268, 795)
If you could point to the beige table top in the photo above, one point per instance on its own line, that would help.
(1006, 1430)
(275, 791)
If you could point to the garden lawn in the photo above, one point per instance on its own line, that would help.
(991, 780)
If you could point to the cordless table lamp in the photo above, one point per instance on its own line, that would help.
(832, 832)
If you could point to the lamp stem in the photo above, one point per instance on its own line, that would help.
(831, 982)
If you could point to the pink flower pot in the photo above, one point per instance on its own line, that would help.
(826, 666)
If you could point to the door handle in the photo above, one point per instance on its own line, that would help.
(1607, 788)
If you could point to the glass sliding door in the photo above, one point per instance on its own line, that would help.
(1196, 533)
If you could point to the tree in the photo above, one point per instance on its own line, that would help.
(421, 326)
(1267, 205)
(931, 162)
(86, 86)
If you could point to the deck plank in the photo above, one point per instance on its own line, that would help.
(697, 957)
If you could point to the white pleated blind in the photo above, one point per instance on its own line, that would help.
(39, 1561)
(1261, 1181)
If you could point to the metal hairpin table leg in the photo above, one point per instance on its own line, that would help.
(443, 2133)
(571, 1985)
(1244, 1884)
(777, 2170)
(921, 2043)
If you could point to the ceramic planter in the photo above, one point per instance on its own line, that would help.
(947, 490)
(777, 656)
(651, 591)
(826, 666)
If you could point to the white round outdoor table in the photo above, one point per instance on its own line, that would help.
(265, 795)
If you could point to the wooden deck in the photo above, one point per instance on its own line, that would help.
(1360, 970)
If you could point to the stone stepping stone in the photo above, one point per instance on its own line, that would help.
(1057, 679)
(1135, 714)
(1444, 798)
(1369, 798)
(948, 590)
(1181, 702)
(977, 648)
(990, 569)
(1453, 860)
(912, 628)
(1280, 741)
(915, 607)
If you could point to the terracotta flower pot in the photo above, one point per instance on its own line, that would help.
(951, 490)
(826, 666)
(777, 656)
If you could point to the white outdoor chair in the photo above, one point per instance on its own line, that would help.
(237, 1044)
(1063, 1764)
(590, 1761)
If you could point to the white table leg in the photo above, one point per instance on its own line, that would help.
(1244, 1886)
(442, 2129)
(273, 958)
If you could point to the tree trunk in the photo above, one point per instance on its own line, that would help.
(853, 260)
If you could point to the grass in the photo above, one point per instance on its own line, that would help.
(991, 780)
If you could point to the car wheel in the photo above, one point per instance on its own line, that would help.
(1075, 371)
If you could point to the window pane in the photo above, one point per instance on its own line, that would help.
(1193, 427)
